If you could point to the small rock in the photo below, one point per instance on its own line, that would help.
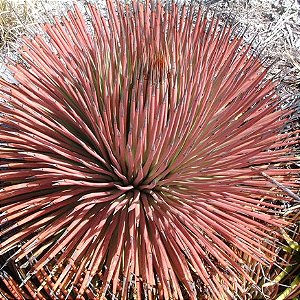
(6, 74)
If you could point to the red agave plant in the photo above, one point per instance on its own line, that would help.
(141, 156)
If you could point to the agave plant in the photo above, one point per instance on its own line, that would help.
(141, 156)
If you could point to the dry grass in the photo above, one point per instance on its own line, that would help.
(14, 17)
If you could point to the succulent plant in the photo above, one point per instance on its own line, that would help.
(141, 156)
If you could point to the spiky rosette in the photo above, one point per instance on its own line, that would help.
(140, 155)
